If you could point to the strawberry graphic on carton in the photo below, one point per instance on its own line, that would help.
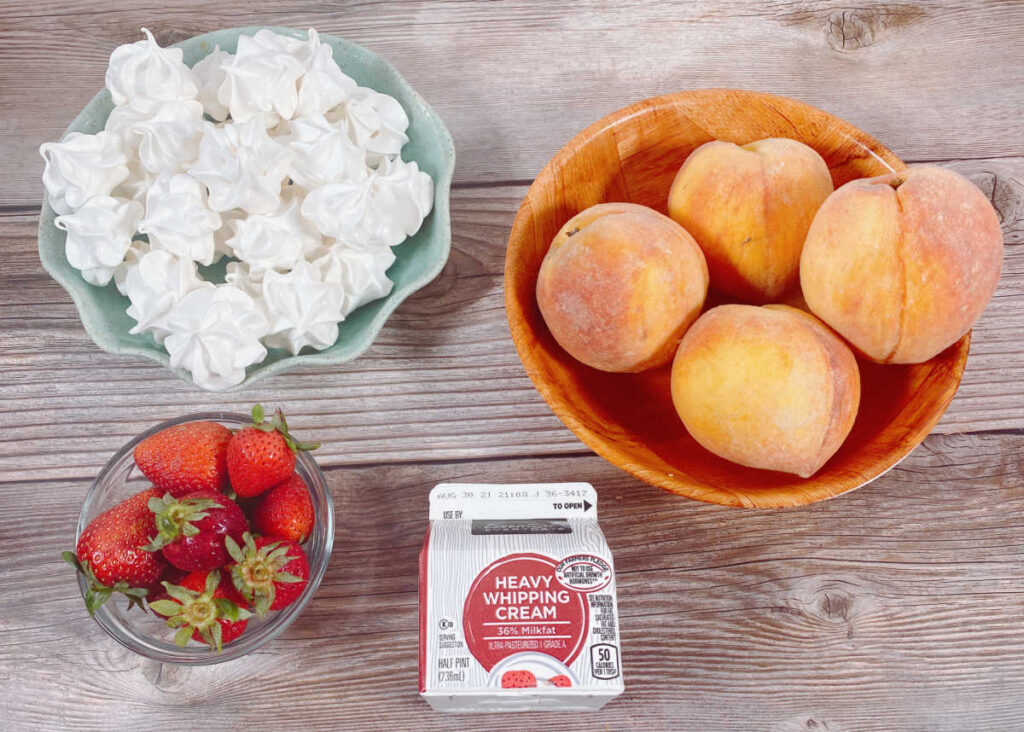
(517, 600)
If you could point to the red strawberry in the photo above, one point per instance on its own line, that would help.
(204, 608)
(111, 554)
(518, 680)
(172, 576)
(186, 458)
(270, 572)
(560, 680)
(191, 530)
(262, 455)
(286, 510)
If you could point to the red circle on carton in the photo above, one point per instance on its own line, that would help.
(517, 604)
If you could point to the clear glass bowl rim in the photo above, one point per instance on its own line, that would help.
(196, 655)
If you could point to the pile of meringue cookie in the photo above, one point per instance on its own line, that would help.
(271, 156)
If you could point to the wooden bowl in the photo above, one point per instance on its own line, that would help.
(633, 155)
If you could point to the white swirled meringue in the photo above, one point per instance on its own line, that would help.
(240, 275)
(242, 166)
(324, 85)
(99, 235)
(385, 208)
(167, 138)
(178, 219)
(82, 166)
(323, 153)
(137, 184)
(211, 77)
(143, 71)
(302, 308)
(375, 121)
(136, 251)
(361, 270)
(215, 335)
(154, 285)
(274, 241)
(262, 76)
(221, 236)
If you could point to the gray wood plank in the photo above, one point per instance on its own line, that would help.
(442, 381)
(894, 607)
(515, 80)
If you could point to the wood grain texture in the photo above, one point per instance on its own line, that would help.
(933, 80)
(894, 607)
(441, 382)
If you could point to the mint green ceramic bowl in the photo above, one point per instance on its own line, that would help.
(418, 260)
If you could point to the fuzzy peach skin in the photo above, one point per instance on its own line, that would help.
(767, 387)
(749, 209)
(620, 285)
(903, 265)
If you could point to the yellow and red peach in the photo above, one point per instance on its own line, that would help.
(620, 285)
(902, 265)
(767, 387)
(749, 208)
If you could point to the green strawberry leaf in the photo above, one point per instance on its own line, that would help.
(218, 636)
(167, 608)
(182, 636)
(286, 577)
(181, 594)
(257, 414)
(234, 551)
(226, 609)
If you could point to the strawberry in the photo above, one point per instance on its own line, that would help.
(518, 680)
(270, 572)
(191, 530)
(262, 455)
(286, 510)
(560, 680)
(173, 576)
(111, 554)
(186, 458)
(205, 608)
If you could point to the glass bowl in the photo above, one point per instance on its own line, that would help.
(146, 633)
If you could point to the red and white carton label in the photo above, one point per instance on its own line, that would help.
(517, 600)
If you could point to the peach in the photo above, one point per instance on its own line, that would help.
(749, 209)
(620, 285)
(767, 387)
(902, 265)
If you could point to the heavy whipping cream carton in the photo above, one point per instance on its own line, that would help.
(517, 600)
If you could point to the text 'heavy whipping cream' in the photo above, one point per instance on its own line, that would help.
(517, 600)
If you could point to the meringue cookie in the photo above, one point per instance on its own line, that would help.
(168, 138)
(136, 251)
(211, 77)
(376, 122)
(221, 248)
(324, 85)
(273, 241)
(385, 208)
(137, 184)
(99, 235)
(261, 77)
(154, 286)
(82, 166)
(323, 153)
(242, 166)
(303, 309)
(143, 71)
(240, 275)
(178, 219)
(215, 335)
(362, 271)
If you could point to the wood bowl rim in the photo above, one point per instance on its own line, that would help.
(607, 448)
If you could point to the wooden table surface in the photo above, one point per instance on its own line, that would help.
(899, 606)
